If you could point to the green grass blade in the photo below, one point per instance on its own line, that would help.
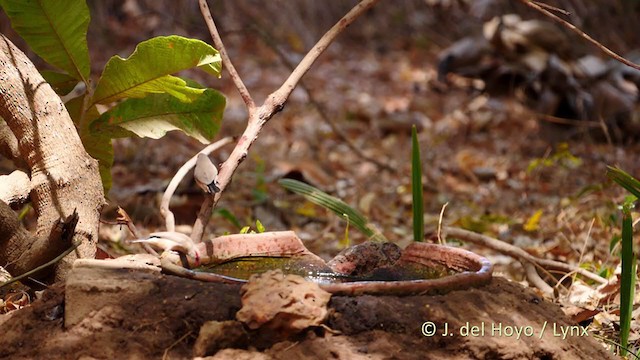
(228, 215)
(625, 180)
(336, 206)
(416, 187)
(627, 285)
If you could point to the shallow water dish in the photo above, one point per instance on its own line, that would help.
(369, 268)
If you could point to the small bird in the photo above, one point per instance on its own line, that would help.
(206, 174)
(174, 241)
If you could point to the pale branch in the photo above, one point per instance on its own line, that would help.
(534, 278)
(518, 253)
(320, 109)
(282, 94)
(226, 61)
(273, 104)
(177, 178)
(541, 8)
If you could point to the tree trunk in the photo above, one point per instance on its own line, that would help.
(63, 176)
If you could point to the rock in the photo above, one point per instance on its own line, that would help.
(282, 303)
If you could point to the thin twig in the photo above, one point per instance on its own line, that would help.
(285, 90)
(48, 263)
(534, 278)
(320, 109)
(169, 219)
(226, 61)
(570, 26)
(518, 253)
(566, 121)
(439, 233)
(274, 103)
(552, 8)
(166, 351)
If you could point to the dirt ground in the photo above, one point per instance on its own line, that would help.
(165, 322)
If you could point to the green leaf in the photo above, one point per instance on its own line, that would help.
(615, 240)
(225, 213)
(624, 179)
(628, 277)
(61, 83)
(156, 114)
(416, 188)
(260, 227)
(345, 242)
(148, 69)
(98, 146)
(55, 30)
(336, 205)
(101, 149)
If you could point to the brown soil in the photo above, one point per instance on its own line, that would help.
(167, 318)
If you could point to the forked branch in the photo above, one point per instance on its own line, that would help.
(273, 104)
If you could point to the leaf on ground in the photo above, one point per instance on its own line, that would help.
(55, 30)
(533, 223)
(148, 70)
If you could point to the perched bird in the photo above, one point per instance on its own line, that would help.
(206, 174)
(174, 241)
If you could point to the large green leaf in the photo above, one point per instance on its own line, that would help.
(148, 70)
(156, 114)
(55, 30)
(98, 146)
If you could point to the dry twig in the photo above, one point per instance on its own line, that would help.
(541, 8)
(169, 219)
(320, 109)
(519, 254)
(274, 103)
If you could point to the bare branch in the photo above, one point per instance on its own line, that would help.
(534, 278)
(518, 253)
(320, 109)
(166, 198)
(285, 90)
(226, 61)
(535, 5)
(274, 103)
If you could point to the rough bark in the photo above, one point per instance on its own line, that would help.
(63, 176)
(9, 145)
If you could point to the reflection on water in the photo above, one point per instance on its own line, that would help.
(319, 272)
